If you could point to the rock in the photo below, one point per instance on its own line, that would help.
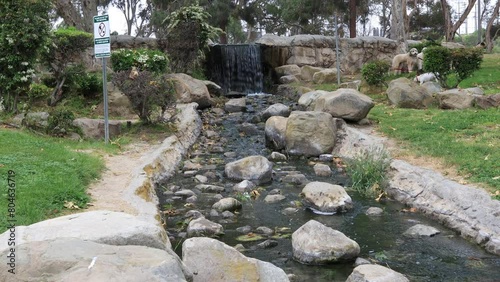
(315, 243)
(204, 227)
(227, 214)
(94, 128)
(270, 199)
(322, 170)
(235, 105)
(189, 90)
(374, 211)
(309, 133)
(287, 70)
(244, 229)
(289, 211)
(275, 156)
(486, 102)
(227, 204)
(348, 104)
(201, 178)
(307, 72)
(405, 93)
(121, 229)
(213, 260)
(326, 198)
(193, 214)
(267, 244)
(277, 109)
(432, 87)
(69, 259)
(213, 88)
(184, 193)
(295, 178)
(274, 131)
(421, 230)
(244, 186)
(249, 129)
(326, 157)
(360, 261)
(308, 100)
(325, 76)
(355, 84)
(375, 273)
(254, 168)
(288, 79)
(264, 230)
(206, 188)
(455, 99)
(36, 120)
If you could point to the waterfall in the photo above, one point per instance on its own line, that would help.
(236, 68)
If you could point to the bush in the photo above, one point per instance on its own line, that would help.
(437, 59)
(88, 84)
(368, 172)
(38, 91)
(143, 59)
(375, 72)
(148, 93)
(60, 123)
(465, 61)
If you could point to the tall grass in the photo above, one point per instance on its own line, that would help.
(367, 171)
(48, 174)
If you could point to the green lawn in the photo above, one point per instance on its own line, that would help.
(467, 139)
(48, 173)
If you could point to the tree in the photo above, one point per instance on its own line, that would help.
(488, 39)
(23, 32)
(132, 9)
(352, 18)
(451, 28)
(398, 24)
(79, 13)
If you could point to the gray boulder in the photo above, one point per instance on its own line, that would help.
(455, 99)
(94, 128)
(325, 76)
(189, 90)
(72, 259)
(345, 103)
(310, 133)
(287, 70)
(405, 93)
(277, 109)
(375, 273)
(326, 197)
(254, 168)
(227, 204)
(287, 79)
(274, 131)
(421, 230)
(315, 243)
(308, 100)
(213, 260)
(204, 227)
(235, 105)
(486, 102)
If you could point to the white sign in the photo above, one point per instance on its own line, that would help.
(102, 43)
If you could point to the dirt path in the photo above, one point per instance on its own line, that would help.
(109, 192)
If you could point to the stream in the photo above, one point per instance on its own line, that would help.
(226, 137)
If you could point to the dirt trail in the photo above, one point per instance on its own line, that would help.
(109, 192)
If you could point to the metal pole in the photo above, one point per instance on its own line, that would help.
(337, 49)
(105, 95)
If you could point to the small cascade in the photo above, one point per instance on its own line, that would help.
(236, 68)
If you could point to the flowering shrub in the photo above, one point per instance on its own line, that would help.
(143, 59)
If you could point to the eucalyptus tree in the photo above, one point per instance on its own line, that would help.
(79, 13)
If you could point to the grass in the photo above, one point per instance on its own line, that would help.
(466, 139)
(48, 173)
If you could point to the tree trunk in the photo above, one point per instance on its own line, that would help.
(449, 27)
(488, 39)
(398, 31)
(69, 13)
(352, 18)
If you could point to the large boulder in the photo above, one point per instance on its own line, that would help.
(94, 128)
(490, 101)
(326, 198)
(274, 131)
(236, 105)
(73, 259)
(213, 260)
(308, 100)
(307, 72)
(315, 243)
(405, 93)
(189, 89)
(287, 70)
(455, 99)
(325, 76)
(375, 273)
(204, 227)
(345, 103)
(277, 109)
(254, 168)
(310, 133)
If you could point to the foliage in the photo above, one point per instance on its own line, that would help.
(63, 51)
(368, 171)
(38, 91)
(60, 123)
(375, 72)
(184, 25)
(87, 84)
(148, 93)
(487, 75)
(143, 59)
(23, 31)
(465, 61)
(49, 173)
(437, 60)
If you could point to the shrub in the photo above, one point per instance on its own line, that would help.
(375, 72)
(437, 60)
(143, 59)
(465, 61)
(60, 123)
(148, 93)
(38, 91)
(88, 84)
(368, 171)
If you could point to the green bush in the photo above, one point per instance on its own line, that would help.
(150, 94)
(88, 84)
(465, 61)
(143, 59)
(375, 72)
(39, 91)
(60, 123)
(368, 171)
(437, 59)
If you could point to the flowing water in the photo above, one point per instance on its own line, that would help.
(444, 257)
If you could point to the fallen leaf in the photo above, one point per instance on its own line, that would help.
(71, 206)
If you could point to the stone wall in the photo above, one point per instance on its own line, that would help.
(319, 51)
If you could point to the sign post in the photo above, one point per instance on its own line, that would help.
(102, 49)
